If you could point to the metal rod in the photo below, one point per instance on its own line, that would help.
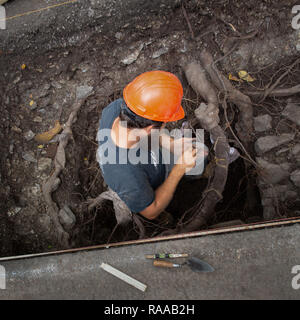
(194, 234)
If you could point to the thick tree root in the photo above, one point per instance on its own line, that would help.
(213, 193)
(53, 182)
(208, 117)
(243, 102)
(122, 212)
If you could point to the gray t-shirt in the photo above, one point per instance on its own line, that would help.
(134, 183)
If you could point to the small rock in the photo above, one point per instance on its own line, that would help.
(119, 35)
(84, 67)
(16, 129)
(44, 91)
(272, 173)
(42, 111)
(67, 217)
(7, 100)
(35, 190)
(29, 135)
(296, 150)
(83, 92)
(13, 211)
(29, 156)
(91, 12)
(133, 55)
(160, 52)
(295, 177)
(44, 164)
(265, 144)
(56, 85)
(38, 119)
(184, 47)
(17, 79)
(262, 123)
(11, 148)
(32, 191)
(292, 112)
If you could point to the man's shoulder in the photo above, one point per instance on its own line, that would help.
(110, 113)
(113, 106)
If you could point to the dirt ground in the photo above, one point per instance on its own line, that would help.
(39, 87)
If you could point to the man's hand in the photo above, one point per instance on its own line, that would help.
(187, 160)
(181, 144)
(177, 145)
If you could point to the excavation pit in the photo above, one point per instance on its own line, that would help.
(39, 80)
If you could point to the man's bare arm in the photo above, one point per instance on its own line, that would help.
(165, 192)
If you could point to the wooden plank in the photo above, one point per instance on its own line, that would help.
(133, 282)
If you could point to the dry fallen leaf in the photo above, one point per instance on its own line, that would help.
(45, 137)
(234, 78)
(244, 75)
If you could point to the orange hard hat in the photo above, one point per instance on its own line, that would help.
(155, 95)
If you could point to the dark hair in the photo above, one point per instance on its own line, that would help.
(135, 121)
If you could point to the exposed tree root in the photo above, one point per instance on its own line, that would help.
(283, 92)
(213, 193)
(208, 117)
(244, 127)
(243, 102)
(138, 221)
(269, 89)
(122, 212)
(53, 182)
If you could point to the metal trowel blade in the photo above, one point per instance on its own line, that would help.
(198, 265)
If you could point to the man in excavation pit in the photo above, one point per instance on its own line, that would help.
(149, 102)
